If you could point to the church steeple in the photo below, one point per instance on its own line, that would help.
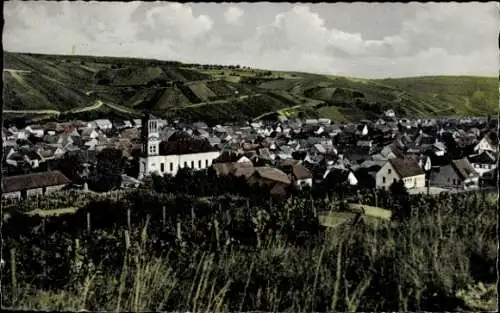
(150, 136)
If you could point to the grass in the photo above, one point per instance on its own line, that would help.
(335, 219)
(419, 264)
(332, 113)
(52, 212)
(371, 211)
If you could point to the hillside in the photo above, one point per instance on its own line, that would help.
(58, 84)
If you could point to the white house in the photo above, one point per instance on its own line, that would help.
(137, 122)
(484, 162)
(396, 169)
(153, 162)
(458, 174)
(103, 124)
(390, 113)
(325, 121)
(35, 130)
(488, 143)
(90, 133)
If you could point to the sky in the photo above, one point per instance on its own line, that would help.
(371, 40)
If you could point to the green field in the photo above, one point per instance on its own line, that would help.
(172, 89)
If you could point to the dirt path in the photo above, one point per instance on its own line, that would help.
(195, 105)
(32, 112)
(95, 106)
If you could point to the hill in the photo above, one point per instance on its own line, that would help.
(36, 84)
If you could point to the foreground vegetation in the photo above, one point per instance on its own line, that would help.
(219, 94)
(149, 251)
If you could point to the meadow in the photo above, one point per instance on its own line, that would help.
(150, 250)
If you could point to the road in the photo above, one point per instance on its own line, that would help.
(50, 112)
(17, 74)
(195, 105)
(16, 71)
(95, 106)
(120, 108)
(309, 103)
(92, 107)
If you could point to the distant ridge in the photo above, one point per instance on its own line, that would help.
(216, 93)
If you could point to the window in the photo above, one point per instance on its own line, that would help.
(162, 167)
(389, 171)
(383, 180)
(206, 163)
(199, 163)
(394, 180)
(171, 166)
(192, 164)
(454, 182)
(185, 164)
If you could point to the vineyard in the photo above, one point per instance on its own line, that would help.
(144, 250)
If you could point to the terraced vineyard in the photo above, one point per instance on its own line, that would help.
(171, 89)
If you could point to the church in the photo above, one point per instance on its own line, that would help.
(171, 156)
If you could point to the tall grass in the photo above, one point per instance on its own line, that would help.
(418, 264)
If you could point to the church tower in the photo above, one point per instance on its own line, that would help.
(150, 138)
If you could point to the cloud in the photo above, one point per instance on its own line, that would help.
(305, 30)
(167, 31)
(447, 38)
(233, 15)
(176, 20)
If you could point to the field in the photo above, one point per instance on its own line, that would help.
(149, 251)
(171, 89)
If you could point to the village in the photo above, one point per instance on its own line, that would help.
(430, 155)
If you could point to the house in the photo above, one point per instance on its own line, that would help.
(137, 123)
(201, 133)
(119, 124)
(92, 143)
(275, 180)
(89, 133)
(22, 156)
(325, 121)
(200, 125)
(439, 149)
(103, 124)
(390, 113)
(488, 143)
(298, 173)
(24, 186)
(127, 124)
(397, 169)
(230, 168)
(129, 182)
(35, 130)
(458, 174)
(311, 121)
(49, 153)
(366, 144)
(484, 162)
